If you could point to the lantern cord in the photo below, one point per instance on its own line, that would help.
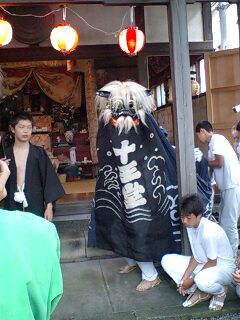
(64, 15)
(132, 16)
(105, 32)
(30, 14)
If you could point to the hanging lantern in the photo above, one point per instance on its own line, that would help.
(131, 40)
(195, 86)
(5, 32)
(64, 38)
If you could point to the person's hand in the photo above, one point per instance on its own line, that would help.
(184, 284)
(236, 275)
(48, 214)
(198, 154)
(4, 167)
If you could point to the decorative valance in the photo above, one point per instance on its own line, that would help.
(58, 84)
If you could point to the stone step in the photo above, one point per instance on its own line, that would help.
(73, 208)
(74, 248)
(72, 220)
(72, 217)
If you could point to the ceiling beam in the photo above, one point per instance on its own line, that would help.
(34, 53)
(104, 2)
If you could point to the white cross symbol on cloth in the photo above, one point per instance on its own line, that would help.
(124, 151)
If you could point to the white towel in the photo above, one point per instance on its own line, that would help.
(19, 196)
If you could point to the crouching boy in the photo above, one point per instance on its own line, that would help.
(207, 273)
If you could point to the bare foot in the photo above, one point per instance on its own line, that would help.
(127, 268)
(145, 285)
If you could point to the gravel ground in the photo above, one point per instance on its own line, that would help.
(228, 316)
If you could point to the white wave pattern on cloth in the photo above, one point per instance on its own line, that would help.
(156, 180)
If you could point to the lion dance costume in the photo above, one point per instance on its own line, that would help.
(135, 211)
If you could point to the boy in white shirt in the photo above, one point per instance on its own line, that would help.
(226, 167)
(207, 273)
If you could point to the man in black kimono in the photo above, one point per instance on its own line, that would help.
(33, 183)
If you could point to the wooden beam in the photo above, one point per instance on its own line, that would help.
(139, 18)
(142, 68)
(34, 53)
(104, 2)
(196, 47)
(193, 1)
(207, 21)
(66, 2)
(182, 103)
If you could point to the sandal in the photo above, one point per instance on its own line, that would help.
(127, 268)
(217, 302)
(145, 285)
(196, 297)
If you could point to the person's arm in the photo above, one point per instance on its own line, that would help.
(217, 162)
(4, 174)
(48, 214)
(187, 279)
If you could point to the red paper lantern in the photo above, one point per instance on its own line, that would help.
(64, 38)
(131, 40)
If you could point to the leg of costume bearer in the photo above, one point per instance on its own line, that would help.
(175, 265)
(212, 280)
(130, 262)
(149, 272)
(130, 266)
(229, 214)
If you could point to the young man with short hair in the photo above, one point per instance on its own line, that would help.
(208, 272)
(226, 167)
(33, 184)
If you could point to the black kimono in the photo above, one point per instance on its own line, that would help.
(42, 185)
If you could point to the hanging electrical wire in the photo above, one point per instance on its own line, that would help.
(75, 13)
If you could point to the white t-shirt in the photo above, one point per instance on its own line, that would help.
(228, 176)
(209, 241)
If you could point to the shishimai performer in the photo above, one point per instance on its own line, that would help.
(132, 208)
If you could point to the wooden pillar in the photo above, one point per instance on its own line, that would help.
(142, 67)
(207, 21)
(182, 101)
(238, 11)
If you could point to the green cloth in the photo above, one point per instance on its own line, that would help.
(30, 272)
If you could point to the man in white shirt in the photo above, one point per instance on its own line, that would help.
(226, 167)
(208, 272)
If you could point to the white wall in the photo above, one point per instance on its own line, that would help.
(157, 26)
